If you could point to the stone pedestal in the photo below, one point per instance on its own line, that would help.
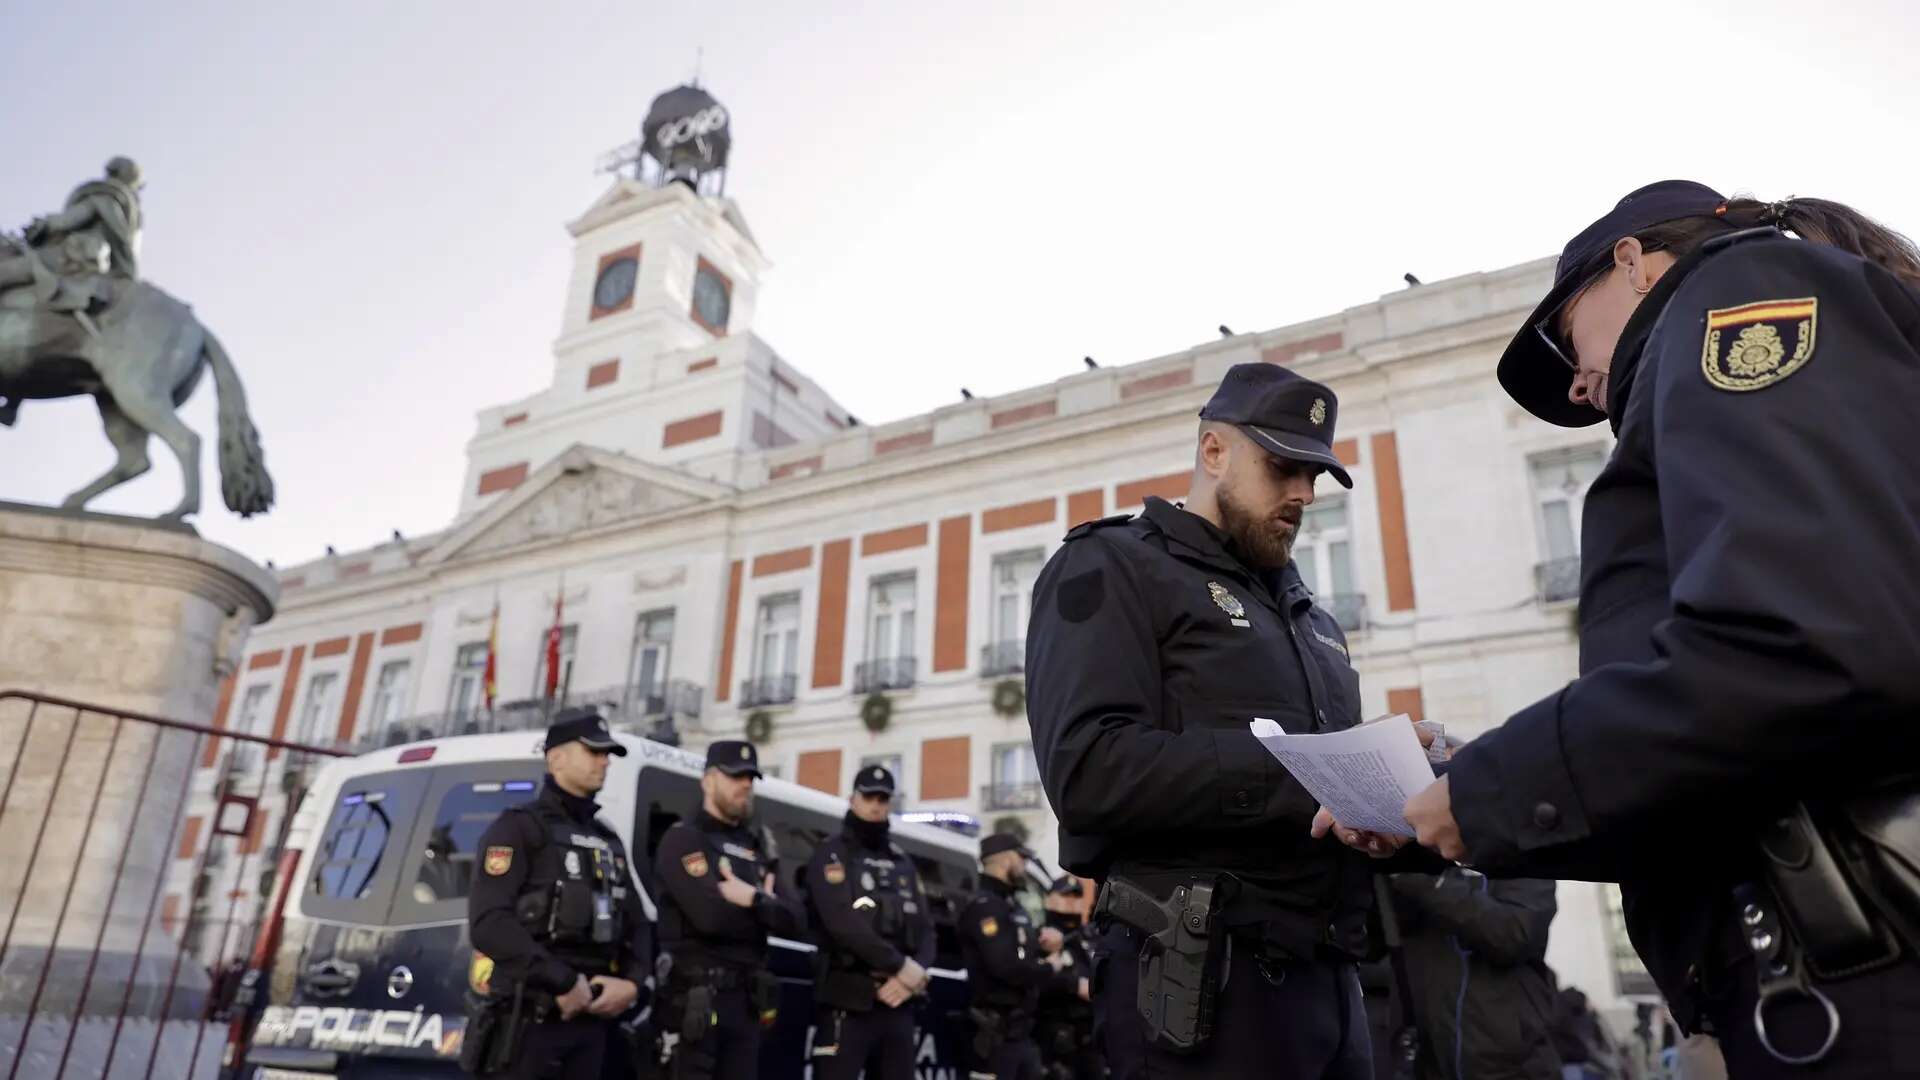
(123, 614)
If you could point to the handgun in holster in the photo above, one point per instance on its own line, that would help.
(1180, 962)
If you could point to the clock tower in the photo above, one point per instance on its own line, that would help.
(656, 357)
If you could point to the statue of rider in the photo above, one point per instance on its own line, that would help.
(76, 257)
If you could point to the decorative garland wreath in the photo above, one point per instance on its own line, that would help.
(759, 726)
(876, 712)
(1010, 697)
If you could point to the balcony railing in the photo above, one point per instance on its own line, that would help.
(648, 711)
(1004, 658)
(1027, 796)
(895, 673)
(1347, 609)
(768, 690)
(1557, 579)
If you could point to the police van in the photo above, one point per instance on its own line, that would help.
(366, 970)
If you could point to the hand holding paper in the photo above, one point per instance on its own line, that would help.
(1363, 776)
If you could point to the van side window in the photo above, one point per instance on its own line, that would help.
(448, 854)
(661, 799)
(357, 857)
(355, 841)
(948, 887)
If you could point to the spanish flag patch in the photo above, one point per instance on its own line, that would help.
(1753, 346)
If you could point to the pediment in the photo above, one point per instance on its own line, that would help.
(580, 491)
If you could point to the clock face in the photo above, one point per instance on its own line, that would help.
(712, 299)
(615, 286)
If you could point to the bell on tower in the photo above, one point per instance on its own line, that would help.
(684, 139)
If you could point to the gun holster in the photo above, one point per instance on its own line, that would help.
(697, 1017)
(989, 1031)
(1181, 960)
(1842, 898)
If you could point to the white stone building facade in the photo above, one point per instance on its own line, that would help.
(726, 543)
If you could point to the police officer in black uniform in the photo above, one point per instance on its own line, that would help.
(718, 902)
(1064, 1025)
(876, 941)
(1010, 963)
(1154, 641)
(1738, 749)
(555, 908)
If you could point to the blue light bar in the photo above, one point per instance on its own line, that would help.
(519, 785)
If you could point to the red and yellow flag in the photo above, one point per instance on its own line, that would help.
(489, 680)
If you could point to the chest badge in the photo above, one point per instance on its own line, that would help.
(834, 873)
(573, 864)
(694, 863)
(1228, 603)
(866, 880)
(1753, 346)
(989, 927)
(499, 859)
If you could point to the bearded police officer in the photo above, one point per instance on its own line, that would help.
(1154, 641)
(555, 909)
(718, 903)
(876, 941)
(1010, 963)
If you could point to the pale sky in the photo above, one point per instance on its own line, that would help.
(365, 200)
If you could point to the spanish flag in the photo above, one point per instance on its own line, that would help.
(489, 680)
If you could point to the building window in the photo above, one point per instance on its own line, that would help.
(647, 668)
(1560, 483)
(253, 710)
(319, 704)
(1324, 554)
(468, 695)
(891, 629)
(1015, 778)
(776, 652)
(389, 690)
(568, 636)
(1629, 974)
(1013, 576)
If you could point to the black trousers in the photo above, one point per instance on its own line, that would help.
(1067, 1049)
(1299, 1020)
(561, 1050)
(877, 1044)
(1879, 1027)
(1014, 1059)
(730, 1049)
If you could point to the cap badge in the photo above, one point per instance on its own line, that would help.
(1228, 603)
(746, 752)
(1756, 345)
(1318, 413)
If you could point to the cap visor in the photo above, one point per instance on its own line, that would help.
(609, 745)
(872, 789)
(741, 770)
(1298, 448)
(1537, 379)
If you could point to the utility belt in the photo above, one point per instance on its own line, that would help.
(1182, 963)
(1840, 898)
(698, 987)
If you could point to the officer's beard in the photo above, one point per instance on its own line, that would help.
(1263, 543)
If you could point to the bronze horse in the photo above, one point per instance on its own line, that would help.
(140, 360)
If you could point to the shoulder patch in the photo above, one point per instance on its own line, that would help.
(694, 863)
(1086, 527)
(835, 873)
(989, 926)
(1082, 595)
(499, 860)
(1753, 346)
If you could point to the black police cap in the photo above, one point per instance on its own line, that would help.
(1285, 414)
(999, 842)
(584, 725)
(873, 780)
(734, 757)
(1529, 371)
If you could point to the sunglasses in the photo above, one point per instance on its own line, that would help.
(1549, 328)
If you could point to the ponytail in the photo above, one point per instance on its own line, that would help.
(1820, 220)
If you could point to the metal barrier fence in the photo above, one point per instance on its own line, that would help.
(125, 840)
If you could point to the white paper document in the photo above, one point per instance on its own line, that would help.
(1364, 775)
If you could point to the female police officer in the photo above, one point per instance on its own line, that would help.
(1749, 622)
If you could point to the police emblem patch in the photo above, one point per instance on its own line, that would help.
(695, 864)
(1756, 345)
(1318, 414)
(835, 873)
(498, 860)
(989, 926)
(573, 864)
(1228, 603)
